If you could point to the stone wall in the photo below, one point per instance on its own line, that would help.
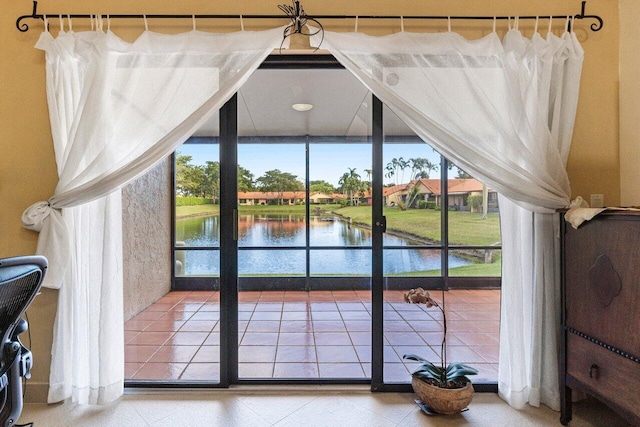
(146, 223)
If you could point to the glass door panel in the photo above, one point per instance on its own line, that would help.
(340, 260)
(195, 347)
(197, 225)
(340, 209)
(304, 268)
(271, 212)
(474, 221)
(474, 229)
(177, 339)
(412, 246)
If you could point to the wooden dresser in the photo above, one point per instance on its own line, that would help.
(600, 341)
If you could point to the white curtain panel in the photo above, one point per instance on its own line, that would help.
(116, 110)
(504, 112)
(528, 368)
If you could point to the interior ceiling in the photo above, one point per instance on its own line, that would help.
(341, 105)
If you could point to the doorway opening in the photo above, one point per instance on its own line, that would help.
(302, 304)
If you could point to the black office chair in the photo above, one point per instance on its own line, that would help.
(20, 280)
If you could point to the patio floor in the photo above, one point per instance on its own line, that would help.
(314, 335)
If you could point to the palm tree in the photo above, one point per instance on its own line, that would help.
(395, 168)
(350, 183)
(421, 168)
(368, 172)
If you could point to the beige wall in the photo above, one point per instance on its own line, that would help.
(27, 167)
(629, 102)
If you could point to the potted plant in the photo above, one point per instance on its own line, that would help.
(444, 388)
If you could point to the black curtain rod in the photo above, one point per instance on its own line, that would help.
(23, 27)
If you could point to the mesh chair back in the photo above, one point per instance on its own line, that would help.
(20, 280)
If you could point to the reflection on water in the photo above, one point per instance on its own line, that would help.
(272, 230)
(198, 231)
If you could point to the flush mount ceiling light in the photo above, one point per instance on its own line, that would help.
(302, 107)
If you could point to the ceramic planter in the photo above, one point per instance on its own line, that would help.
(444, 401)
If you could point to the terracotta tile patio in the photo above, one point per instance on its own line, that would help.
(317, 334)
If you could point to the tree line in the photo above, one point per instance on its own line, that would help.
(204, 180)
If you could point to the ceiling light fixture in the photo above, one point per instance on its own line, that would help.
(302, 107)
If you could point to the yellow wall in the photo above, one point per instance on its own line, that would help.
(629, 102)
(27, 167)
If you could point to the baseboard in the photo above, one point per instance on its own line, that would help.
(36, 392)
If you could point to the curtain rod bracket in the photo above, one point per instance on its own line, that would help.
(299, 18)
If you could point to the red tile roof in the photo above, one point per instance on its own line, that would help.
(456, 186)
(393, 189)
(271, 195)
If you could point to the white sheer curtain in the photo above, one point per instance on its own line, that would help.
(502, 111)
(117, 109)
(528, 370)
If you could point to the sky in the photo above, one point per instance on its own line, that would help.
(326, 161)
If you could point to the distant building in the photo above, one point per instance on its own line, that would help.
(318, 197)
(429, 190)
(251, 198)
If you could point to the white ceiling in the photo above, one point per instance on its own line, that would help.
(341, 105)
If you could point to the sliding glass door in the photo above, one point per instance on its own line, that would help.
(192, 350)
(328, 209)
(304, 237)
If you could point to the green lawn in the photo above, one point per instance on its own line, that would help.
(465, 228)
(474, 270)
(478, 270)
(197, 210)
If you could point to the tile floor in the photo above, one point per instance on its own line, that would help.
(309, 406)
(317, 334)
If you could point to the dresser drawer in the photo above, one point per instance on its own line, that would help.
(602, 280)
(605, 372)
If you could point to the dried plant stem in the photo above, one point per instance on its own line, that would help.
(443, 350)
(443, 344)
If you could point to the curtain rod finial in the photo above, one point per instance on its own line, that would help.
(596, 26)
(23, 27)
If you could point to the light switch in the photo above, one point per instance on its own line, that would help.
(597, 201)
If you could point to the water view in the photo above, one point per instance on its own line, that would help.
(274, 244)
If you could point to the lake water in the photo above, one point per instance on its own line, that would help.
(280, 231)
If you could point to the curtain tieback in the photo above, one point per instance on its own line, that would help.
(34, 216)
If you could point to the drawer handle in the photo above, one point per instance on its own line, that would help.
(593, 371)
